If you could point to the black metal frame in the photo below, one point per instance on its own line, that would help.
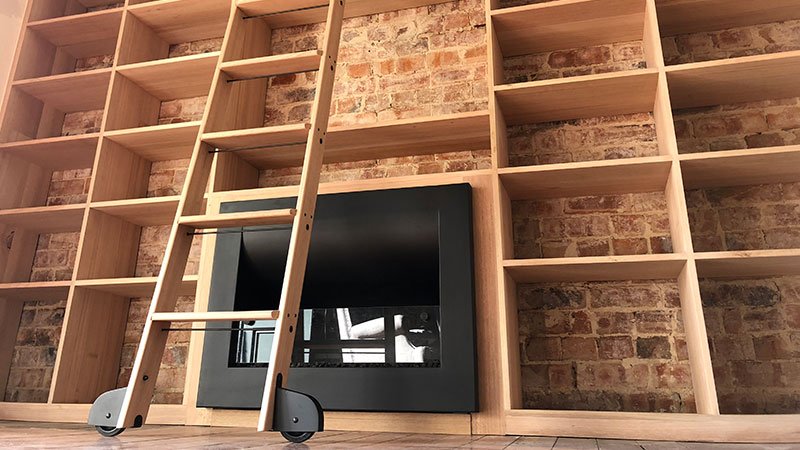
(452, 387)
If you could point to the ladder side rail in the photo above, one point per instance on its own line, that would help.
(283, 343)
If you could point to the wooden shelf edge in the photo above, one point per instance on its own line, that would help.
(62, 77)
(43, 219)
(50, 141)
(77, 413)
(770, 165)
(273, 65)
(76, 17)
(35, 290)
(151, 129)
(513, 87)
(166, 62)
(133, 287)
(354, 8)
(56, 153)
(150, 211)
(603, 268)
(745, 264)
(739, 60)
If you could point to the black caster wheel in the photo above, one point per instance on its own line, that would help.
(297, 436)
(109, 431)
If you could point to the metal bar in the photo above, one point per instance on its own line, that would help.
(238, 230)
(258, 16)
(259, 147)
(263, 329)
(235, 80)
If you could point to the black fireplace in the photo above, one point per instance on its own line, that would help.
(387, 313)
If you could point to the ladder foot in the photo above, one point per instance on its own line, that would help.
(110, 431)
(106, 411)
(297, 436)
(297, 415)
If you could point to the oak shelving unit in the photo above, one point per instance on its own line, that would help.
(139, 34)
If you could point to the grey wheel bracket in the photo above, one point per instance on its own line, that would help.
(297, 412)
(106, 410)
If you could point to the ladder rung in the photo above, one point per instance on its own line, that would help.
(270, 66)
(260, 8)
(215, 316)
(241, 219)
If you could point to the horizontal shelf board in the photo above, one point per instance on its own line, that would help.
(273, 65)
(408, 137)
(603, 268)
(179, 21)
(39, 291)
(159, 142)
(141, 211)
(741, 167)
(566, 24)
(240, 219)
(168, 79)
(352, 8)
(136, 287)
(58, 153)
(253, 137)
(736, 80)
(215, 316)
(691, 16)
(578, 97)
(622, 176)
(743, 264)
(79, 91)
(45, 219)
(82, 34)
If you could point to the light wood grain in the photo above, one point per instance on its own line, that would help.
(45, 219)
(82, 35)
(179, 21)
(578, 97)
(80, 91)
(141, 211)
(647, 174)
(135, 287)
(353, 8)
(273, 65)
(601, 268)
(30, 291)
(741, 167)
(747, 264)
(158, 142)
(691, 16)
(169, 79)
(243, 219)
(566, 24)
(214, 316)
(58, 153)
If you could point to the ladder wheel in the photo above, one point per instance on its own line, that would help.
(297, 436)
(110, 431)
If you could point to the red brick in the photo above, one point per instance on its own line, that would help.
(579, 349)
(615, 347)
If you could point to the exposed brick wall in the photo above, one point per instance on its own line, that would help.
(172, 375)
(600, 138)
(82, 122)
(68, 187)
(615, 346)
(745, 218)
(630, 224)
(55, 255)
(754, 333)
(733, 42)
(167, 177)
(574, 62)
(153, 244)
(195, 47)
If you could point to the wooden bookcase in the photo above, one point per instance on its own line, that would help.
(43, 88)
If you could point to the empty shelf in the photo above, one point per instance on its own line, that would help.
(258, 137)
(741, 167)
(80, 91)
(82, 35)
(50, 219)
(273, 65)
(603, 268)
(296, 16)
(38, 291)
(136, 287)
(141, 211)
(578, 97)
(566, 24)
(58, 153)
(216, 316)
(159, 142)
(587, 178)
(242, 219)
(168, 79)
(737, 80)
(743, 264)
(691, 16)
(178, 21)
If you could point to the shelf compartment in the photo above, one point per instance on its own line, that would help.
(82, 35)
(272, 65)
(81, 91)
(604, 268)
(744, 264)
(143, 212)
(50, 9)
(737, 80)
(159, 142)
(354, 8)
(136, 287)
(45, 219)
(566, 24)
(39, 291)
(691, 16)
(635, 175)
(183, 77)
(409, 137)
(179, 21)
(58, 153)
(579, 97)
(741, 167)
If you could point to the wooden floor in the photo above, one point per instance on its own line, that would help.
(41, 436)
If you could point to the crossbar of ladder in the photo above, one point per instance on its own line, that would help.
(257, 147)
(276, 13)
(236, 80)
